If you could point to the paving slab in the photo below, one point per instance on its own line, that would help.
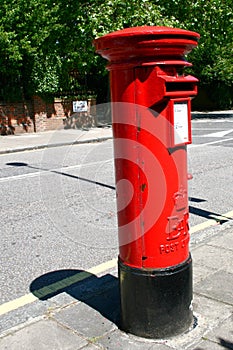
(209, 345)
(21, 315)
(98, 314)
(223, 334)
(92, 347)
(212, 257)
(200, 272)
(218, 286)
(43, 335)
(225, 239)
(85, 320)
(213, 312)
(118, 340)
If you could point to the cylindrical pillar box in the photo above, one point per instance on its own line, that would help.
(151, 119)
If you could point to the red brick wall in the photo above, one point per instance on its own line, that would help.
(15, 117)
(38, 115)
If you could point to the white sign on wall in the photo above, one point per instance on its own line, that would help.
(79, 106)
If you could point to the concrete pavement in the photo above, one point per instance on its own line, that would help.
(46, 139)
(89, 318)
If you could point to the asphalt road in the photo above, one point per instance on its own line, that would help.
(58, 209)
(211, 163)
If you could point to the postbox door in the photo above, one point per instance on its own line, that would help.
(164, 157)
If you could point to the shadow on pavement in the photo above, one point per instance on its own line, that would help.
(226, 344)
(209, 215)
(223, 343)
(100, 293)
(20, 164)
(196, 200)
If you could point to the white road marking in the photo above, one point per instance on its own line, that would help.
(55, 287)
(42, 172)
(209, 143)
(212, 222)
(219, 133)
(22, 176)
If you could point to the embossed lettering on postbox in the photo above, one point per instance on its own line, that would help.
(180, 199)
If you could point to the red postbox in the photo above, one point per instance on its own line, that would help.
(151, 119)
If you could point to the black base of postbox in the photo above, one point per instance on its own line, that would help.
(156, 303)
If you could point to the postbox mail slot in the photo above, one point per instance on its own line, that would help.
(172, 87)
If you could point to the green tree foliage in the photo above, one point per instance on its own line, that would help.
(213, 59)
(96, 18)
(27, 61)
(44, 41)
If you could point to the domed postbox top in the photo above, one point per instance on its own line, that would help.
(146, 43)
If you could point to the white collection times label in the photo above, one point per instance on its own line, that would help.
(181, 127)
